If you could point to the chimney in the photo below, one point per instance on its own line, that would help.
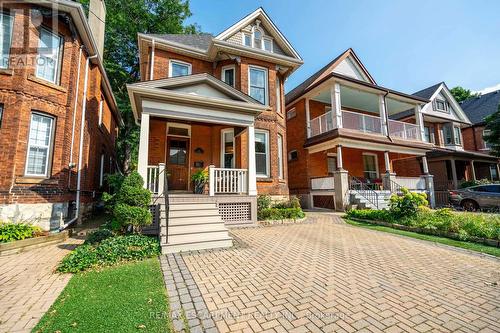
(97, 22)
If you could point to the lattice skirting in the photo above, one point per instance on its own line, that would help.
(235, 212)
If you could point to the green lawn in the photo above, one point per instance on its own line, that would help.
(494, 251)
(126, 298)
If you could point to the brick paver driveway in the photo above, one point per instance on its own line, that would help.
(28, 285)
(331, 277)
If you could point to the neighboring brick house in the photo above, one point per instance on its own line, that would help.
(455, 156)
(215, 101)
(342, 142)
(58, 117)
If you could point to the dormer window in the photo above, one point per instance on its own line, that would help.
(441, 105)
(258, 39)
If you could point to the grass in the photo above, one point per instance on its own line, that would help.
(126, 298)
(494, 251)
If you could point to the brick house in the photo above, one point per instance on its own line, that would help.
(456, 155)
(213, 103)
(58, 116)
(343, 143)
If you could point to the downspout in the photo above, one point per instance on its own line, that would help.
(74, 115)
(80, 153)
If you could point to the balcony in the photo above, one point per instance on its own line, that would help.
(405, 131)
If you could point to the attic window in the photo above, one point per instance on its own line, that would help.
(441, 105)
(257, 39)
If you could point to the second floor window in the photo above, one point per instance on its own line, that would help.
(486, 145)
(257, 85)
(447, 135)
(457, 137)
(427, 134)
(228, 75)
(5, 39)
(49, 56)
(39, 145)
(179, 68)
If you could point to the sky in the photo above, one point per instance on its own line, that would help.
(405, 45)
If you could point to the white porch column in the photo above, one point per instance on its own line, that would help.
(383, 114)
(387, 162)
(211, 180)
(340, 164)
(336, 105)
(308, 118)
(472, 169)
(425, 165)
(252, 176)
(454, 174)
(419, 120)
(161, 178)
(142, 161)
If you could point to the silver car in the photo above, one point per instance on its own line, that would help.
(477, 197)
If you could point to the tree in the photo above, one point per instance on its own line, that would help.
(493, 136)
(124, 20)
(461, 94)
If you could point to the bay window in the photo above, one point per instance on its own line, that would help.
(6, 22)
(457, 136)
(447, 135)
(49, 56)
(227, 149)
(179, 68)
(39, 145)
(262, 153)
(257, 84)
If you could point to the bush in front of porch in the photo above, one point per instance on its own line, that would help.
(282, 210)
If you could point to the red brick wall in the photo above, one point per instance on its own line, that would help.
(21, 93)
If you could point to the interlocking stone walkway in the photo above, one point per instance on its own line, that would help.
(28, 285)
(331, 277)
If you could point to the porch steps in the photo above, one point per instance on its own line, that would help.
(192, 226)
(358, 200)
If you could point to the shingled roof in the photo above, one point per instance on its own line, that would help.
(428, 92)
(198, 41)
(478, 108)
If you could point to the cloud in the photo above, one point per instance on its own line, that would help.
(489, 89)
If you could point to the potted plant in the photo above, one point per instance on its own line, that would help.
(199, 179)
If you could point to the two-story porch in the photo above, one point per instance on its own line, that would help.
(194, 123)
(352, 143)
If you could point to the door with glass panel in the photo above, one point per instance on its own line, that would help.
(177, 163)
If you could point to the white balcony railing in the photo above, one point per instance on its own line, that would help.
(154, 179)
(322, 183)
(321, 124)
(361, 122)
(228, 181)
(411, 183)
(405, 131)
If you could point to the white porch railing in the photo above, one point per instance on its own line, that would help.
(361, 122)
(154, 179)
(322, 183)
(404, 130)
(321, 124)
(411, 183)
(228, 181)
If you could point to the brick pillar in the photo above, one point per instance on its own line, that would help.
(341, 188)
(429, 186)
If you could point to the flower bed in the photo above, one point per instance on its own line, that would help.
(10, 231)
(286, 210)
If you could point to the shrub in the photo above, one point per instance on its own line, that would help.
(199, 179)
(280, 213)
(407, 204)
(97, 236)
(470, 183)
(17, 231)
(370, 214)
(108, 252)
(293, 202)
(263, 202)
(132, 215)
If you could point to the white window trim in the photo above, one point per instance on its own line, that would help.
(444, 103)
(222, 146)
(101, 106)
(223, 74)
(12, 18)
(459, 136)
(58, 66)
(376, 164)
(292, 110)
(179, 62)
(179, 125)
(290, 155)
(50, 147)
(270, 40)
(101, 171)
(243, 35)
(268, 157)
(266, 82)
(252, 39)
(485, 147)
(281, 165)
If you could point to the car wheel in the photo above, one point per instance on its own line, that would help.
(469, 205)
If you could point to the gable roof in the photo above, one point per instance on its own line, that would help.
(198, 41)
(478, 108)
(428, 92)
(324, 71)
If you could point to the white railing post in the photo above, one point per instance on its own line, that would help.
(142, 160)
(161, 178)
(211, 180)
(252, 175)
(419, 120)
(383, 114)
(336, 105)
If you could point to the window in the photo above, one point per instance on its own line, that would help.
(280, 157)
(49, 56)
(227, 149)
(179, 68)
(293, 155)
(39, 145)
(292, 113)
(370, 166)
(494, 172)
(101, 105)
(262, 153)
(257, 38)
(101, 171)
(278, 94)
(486, 145)
(447, 135)
(176, 129)
(258, 84)
(441, 105)
(177, 152)
(6, 22)
(331, 164)
(268, 44)
(247, 40)
(228, 75)
(427, 134)
(1, 114)
(457, 135)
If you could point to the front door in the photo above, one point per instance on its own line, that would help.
(177, 163)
